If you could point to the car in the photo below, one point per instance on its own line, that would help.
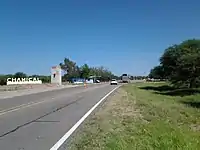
(113, 82)
(97, 81)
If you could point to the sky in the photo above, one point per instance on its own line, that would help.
(126, 36)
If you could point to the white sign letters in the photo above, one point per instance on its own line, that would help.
(11, 81)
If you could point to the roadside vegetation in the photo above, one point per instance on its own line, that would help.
(71, 70)
(143, 116)
(154, 115)
(180, 64)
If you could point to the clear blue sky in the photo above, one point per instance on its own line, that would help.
(127, 36)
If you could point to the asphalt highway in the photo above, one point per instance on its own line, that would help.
(38, 121)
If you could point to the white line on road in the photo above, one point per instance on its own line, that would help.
(69, 133)
(20, 107)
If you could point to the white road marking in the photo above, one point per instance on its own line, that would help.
(69, 133)
(5, 110)
(12, 109)
(22, 106)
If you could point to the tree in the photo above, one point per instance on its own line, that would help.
(181, 63)
(157, 72)
(2, 80)
(70, 68)
(84, 71)
(102, 72)
(73, 71)
(20, 75)
(188, 69)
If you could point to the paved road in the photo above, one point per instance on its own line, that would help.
(38, 121)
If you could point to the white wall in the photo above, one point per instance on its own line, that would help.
(58, 78)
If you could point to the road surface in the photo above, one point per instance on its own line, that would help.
(34, 89)
(38, 121)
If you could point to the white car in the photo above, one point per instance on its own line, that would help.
(113, 82)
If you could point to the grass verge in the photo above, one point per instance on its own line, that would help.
(137, 117)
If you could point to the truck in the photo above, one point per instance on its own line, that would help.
(125, 78)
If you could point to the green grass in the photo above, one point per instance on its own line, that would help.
(143, 116)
